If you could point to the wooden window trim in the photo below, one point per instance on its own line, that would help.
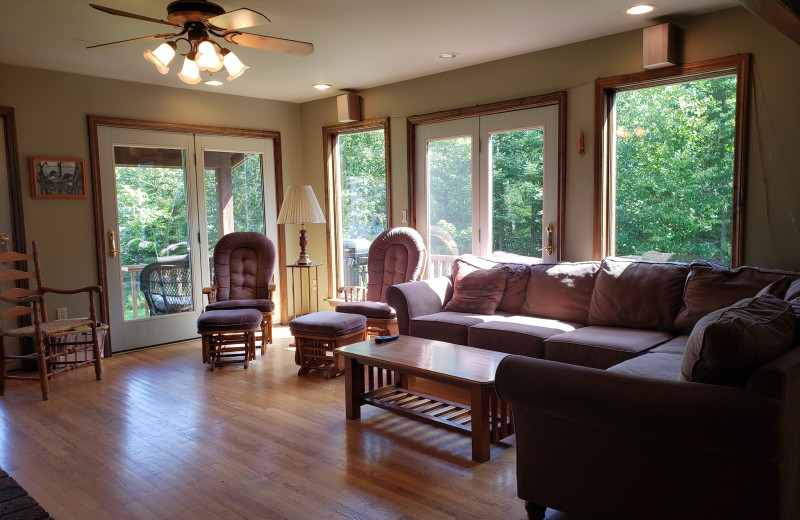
(605, 90)
(333, 226)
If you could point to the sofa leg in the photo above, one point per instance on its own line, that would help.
(535, 511)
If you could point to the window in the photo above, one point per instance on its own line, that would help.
(358, 196)
(671, 167)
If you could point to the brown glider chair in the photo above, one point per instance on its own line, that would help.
(57, 345)
(397, 255)
(243, 266)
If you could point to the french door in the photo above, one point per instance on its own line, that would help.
(168, 197)
(489, 184)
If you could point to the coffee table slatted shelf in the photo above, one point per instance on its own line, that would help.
(378, 375)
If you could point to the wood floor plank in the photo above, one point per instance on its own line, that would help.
(162, 437)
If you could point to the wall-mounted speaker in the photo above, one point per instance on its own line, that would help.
(349, 107)
(660, 47)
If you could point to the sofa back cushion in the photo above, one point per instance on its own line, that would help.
(637, 294)
(516, 283)
(476, 290)
(561, 291)
(711, 287)
(729, 344)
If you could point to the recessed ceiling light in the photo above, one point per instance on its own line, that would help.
(448, 55)
(641, 9)
(321, 86)
(213, 83)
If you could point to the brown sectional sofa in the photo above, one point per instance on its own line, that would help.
(611, 431)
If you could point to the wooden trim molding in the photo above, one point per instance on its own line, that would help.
(554, 98)
(333, 227)
(14, 179)
(606, 89)
(94, 122)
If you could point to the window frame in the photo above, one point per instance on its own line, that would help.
(605, 91)
(333, 216)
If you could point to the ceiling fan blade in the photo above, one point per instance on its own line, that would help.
(143, 38)
(126, 14)
(269, 43)
(237, 19)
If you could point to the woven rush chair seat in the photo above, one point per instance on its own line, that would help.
(229, 334)
(318, 334)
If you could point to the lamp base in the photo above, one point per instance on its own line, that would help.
(303, 259)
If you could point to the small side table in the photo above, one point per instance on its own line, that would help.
(307, 284)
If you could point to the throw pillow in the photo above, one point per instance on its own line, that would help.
(476, 290)
(516, 283)
(711, 287)
(728, 345)
(776, 288)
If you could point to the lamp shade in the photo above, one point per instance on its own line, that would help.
(300, 206)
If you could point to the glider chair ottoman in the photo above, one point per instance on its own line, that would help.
(316, 335)
(228, 334)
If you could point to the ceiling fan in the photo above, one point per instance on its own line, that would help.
(197, 21)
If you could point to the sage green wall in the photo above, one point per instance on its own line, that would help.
(771, 238)
(51, 110)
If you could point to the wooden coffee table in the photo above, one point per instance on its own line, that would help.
(385, 385)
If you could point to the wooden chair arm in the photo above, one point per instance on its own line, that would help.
(211, 292)
(91, 288)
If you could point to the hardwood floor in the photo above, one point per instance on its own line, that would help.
(161, 437)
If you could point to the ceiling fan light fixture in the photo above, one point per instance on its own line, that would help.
(190, 73)
(161, 56)
(233, 64)
(207, 57)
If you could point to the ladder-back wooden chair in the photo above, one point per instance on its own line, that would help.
(397, 255)
(57, 344)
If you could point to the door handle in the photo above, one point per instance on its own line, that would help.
(3, 242)
(549, 247)
(112, 250)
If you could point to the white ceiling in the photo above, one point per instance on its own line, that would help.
(358, 43)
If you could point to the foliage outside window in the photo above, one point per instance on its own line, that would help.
(357, 180)
(673, 165)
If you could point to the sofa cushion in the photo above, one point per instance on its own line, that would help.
(476, 290)
(710, 287)
(560, 291)
(601, 347)
(637, 294)
(793, 291)
(516, 283)
(676, 345)
(446, 326)
(515, 334)
(729, 344)
(653, 365)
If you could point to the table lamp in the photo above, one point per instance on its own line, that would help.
(300, 206)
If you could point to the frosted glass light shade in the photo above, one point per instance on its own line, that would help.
(300, 206)
(161, 56)
(233, 65)
(189, 73)
(207, 57)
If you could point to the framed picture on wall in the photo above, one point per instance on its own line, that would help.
(57, 178)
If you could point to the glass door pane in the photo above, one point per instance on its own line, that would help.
(234, 195)
(516, 169)
(449, 167)
(153, 234)
(361, 176)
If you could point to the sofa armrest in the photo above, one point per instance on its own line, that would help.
(613, 437)
(412, 299)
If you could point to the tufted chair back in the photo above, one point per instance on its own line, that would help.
(243, 266)
(396, 256)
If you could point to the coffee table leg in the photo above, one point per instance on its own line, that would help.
(480, 423)
(353, 387)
